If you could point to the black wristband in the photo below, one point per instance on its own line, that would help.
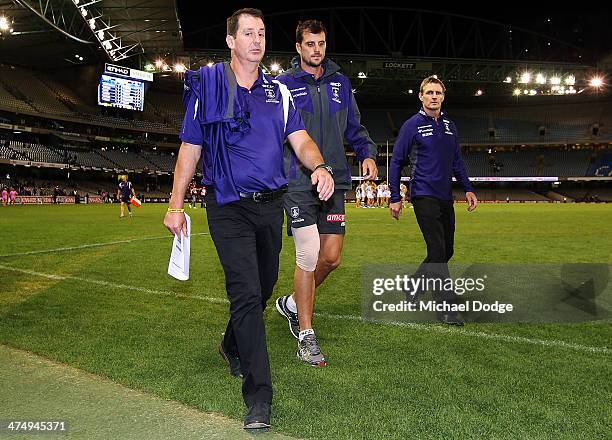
(327, 168)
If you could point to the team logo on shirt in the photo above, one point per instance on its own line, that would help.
(271, 96)
(447, 129)
(295, 211)
(335, 87)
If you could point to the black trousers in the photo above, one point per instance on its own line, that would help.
(248, 238)
(436, 219)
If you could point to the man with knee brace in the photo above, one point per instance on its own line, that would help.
(325, 100)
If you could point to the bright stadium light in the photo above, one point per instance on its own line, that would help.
(210, 64)
(159, 64)
(555, 80)
(362, 75)
(274, 67)
(532, 92)
(5, 25)
(525, 78)
(101, 35)
(478, 92)
(92, 24)
(540, 79)
(570, 80)
(508, 80)
(410, 91)
(179, 68)
(107, 45)
(516, 92)
(596, 82)
(84, 12)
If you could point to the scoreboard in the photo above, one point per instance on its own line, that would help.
(121, 93)
(122, 87)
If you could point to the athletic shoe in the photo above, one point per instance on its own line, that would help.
(292, 317)
(309, 351)
(258, 416)
(232, 361)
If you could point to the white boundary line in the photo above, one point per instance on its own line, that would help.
(433, 328)
(92, 245)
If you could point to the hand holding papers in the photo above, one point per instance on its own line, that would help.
(178, 267)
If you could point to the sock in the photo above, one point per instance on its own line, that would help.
(291, 305)
(304, 333)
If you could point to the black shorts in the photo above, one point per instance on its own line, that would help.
(304, 208)
(126, 199)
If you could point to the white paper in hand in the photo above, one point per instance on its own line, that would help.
(178, 267)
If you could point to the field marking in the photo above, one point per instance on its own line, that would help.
(434, 328)
(91, 245)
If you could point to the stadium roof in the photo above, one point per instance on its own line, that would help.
(52, 34)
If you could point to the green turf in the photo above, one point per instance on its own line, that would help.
(383, 381)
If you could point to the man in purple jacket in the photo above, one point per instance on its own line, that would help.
(237, 119)
(325, 100)
(429, 142)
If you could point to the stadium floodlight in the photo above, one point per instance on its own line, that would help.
(555, 80)
(92, 24)
(525, 92)
(107, 45)
(540, 79)
(362, 75)
(516, 92)
(525, 78)
(532, 92)
(84, 12)
(76, 2)
(274, 67)
(478, 92)
(5, 25)
(410, 91)
(210, 64)
(179, 68)
(159, 63)
(508, 80)
(149, 67)
(596, 82)
(570, 80)
(101, 35)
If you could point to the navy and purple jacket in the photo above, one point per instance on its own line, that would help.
(241, 131)
(331, 116)
(432, 149)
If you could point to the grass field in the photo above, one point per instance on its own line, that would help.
(111, 309)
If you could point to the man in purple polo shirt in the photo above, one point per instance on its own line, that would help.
(429, 142)
(237, 118)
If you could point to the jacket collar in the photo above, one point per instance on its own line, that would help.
(422, 113)
(329, 68)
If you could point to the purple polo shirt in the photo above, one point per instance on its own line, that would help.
(256, 159)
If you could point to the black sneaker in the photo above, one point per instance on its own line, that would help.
(232, 361)
(292, 317)
(258, 416)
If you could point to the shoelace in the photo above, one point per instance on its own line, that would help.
(312, 345)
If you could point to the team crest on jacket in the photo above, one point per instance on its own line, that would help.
(295, 211)
(335, 88)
